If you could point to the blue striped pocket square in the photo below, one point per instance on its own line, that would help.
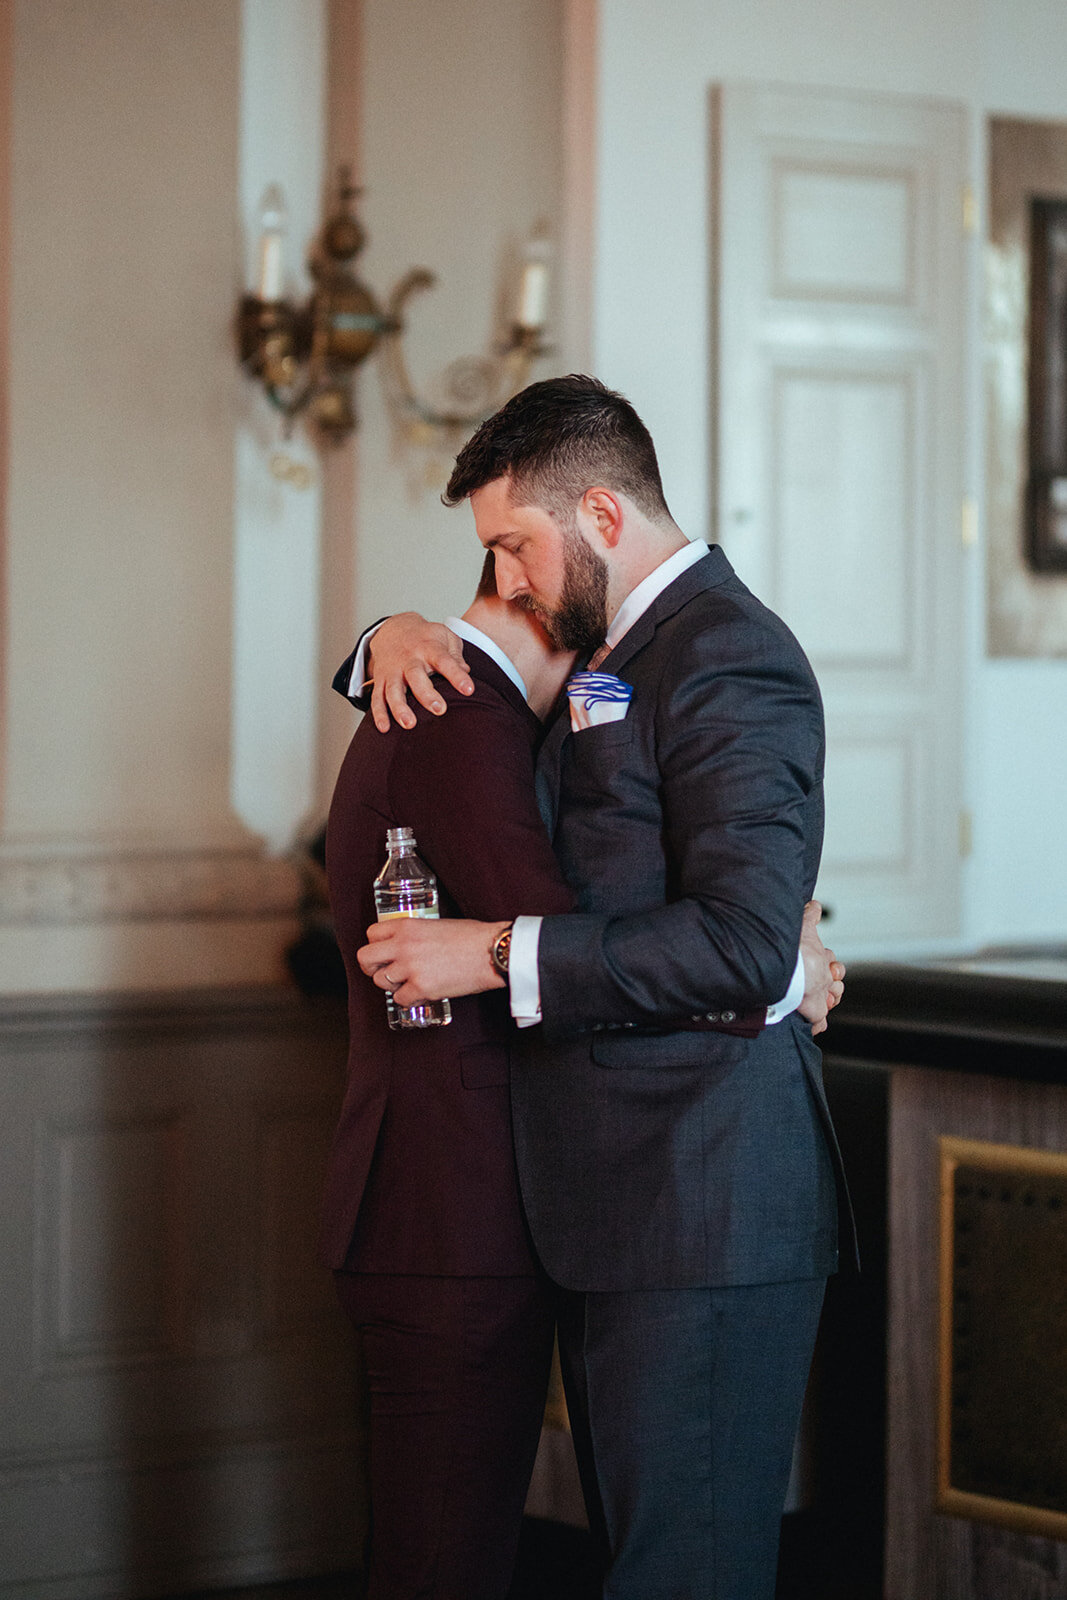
(597, 697)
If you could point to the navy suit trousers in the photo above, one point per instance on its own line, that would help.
(685, 1405)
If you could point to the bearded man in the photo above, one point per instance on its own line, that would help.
(680, 1184)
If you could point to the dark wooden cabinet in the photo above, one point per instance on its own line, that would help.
(971, 1059)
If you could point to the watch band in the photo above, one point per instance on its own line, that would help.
(500, 952)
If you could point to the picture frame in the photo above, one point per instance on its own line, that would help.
(1046, 488)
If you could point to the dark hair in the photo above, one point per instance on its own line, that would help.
(557, 439)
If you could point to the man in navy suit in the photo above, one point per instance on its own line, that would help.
(680, 1184)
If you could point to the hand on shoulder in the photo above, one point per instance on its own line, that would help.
(402, 657)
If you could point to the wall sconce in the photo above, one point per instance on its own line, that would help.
(306, 356)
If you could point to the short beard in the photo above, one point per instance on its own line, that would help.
(580, 622)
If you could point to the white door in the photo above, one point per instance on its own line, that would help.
(839, 333)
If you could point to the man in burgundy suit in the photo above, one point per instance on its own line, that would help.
(423, 1221)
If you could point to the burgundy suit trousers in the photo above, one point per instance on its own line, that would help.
(457, 1370)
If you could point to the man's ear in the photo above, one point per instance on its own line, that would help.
(603, 513)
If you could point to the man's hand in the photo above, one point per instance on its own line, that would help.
(402, 654)
(824, 975)
(422, 960)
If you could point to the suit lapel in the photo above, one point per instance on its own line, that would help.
(707, 573)
(547, 771)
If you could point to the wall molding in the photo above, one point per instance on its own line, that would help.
(154, 886)
(267, 1011)
(167, 1451)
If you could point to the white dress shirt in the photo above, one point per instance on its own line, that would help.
(482, 641)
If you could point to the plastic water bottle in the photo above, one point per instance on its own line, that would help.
(406, 887)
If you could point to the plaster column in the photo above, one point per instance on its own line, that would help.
(278, 524)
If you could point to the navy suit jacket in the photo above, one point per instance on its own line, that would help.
(421, 1176)
(654, 1157)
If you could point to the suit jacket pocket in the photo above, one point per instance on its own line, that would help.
(484, 1066)
(649, 1051)
(588, 743)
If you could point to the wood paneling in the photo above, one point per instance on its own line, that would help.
(178, 1396)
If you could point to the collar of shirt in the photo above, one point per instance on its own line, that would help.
(638, 600)
(482, 641)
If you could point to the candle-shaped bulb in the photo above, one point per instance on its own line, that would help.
(533, 285)
(274, 224)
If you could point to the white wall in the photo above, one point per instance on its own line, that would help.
(121, 486)
(651, 328)
(123, 862)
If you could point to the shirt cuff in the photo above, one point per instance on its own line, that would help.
(791, 999)
(524, 981)
(358, 682)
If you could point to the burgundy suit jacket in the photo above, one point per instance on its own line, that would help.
(421, 1177)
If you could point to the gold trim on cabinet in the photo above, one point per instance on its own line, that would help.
(999, 1158)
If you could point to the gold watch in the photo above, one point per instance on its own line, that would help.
(500, 952)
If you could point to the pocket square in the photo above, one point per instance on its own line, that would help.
(597, 697)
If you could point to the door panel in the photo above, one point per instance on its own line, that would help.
(843, 235)
(843, 466)
(839, 345)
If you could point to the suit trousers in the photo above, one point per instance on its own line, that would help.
(685, 1405)
(457, 1370)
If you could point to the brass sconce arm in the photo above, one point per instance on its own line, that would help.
(478, 386)
(305, 356)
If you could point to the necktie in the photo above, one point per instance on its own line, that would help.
(599, 654)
